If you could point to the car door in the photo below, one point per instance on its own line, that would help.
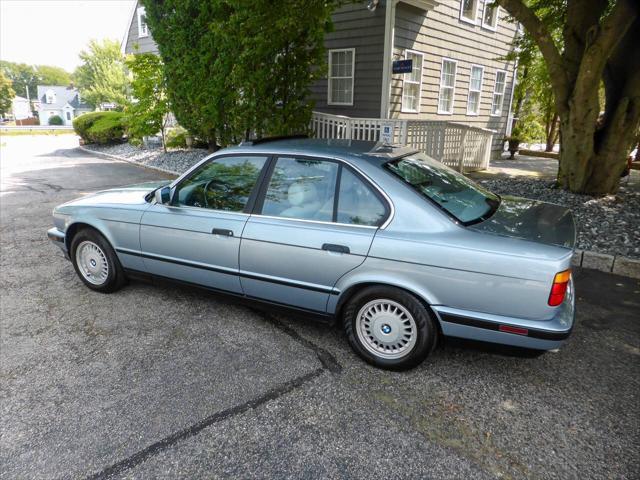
(314, 221)
(196, 238)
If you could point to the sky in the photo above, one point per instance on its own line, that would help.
(53, 32)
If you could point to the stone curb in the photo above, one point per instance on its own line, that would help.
(123, 159)
(619, 265)
(627, 267)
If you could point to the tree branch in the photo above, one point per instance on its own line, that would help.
(545, 43)
(597, 53)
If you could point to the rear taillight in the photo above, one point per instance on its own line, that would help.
(559, 288)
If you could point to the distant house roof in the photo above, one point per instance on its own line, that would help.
(62, 96)
(20, 99)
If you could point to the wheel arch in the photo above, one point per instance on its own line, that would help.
(75, 227)
(357, 287)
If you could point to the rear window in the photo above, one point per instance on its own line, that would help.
(451, 191)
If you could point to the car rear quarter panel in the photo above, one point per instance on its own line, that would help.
(465, 270)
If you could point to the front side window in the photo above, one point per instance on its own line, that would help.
(490, 15)
(451, 191)
(468, 10)
(412, 83)
(498, 93)
(143, 30)
(447, 86)
(475, 88)
(222, 184)
(68, 115)
(341, 70)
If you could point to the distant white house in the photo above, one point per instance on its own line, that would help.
(21, 108)
(64, 102)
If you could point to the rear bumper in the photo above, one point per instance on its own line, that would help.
(536, 334)
(58, 238)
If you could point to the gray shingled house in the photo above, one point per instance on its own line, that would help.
(454, 102)
(64, 102)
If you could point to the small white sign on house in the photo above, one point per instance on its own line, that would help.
(386, 132)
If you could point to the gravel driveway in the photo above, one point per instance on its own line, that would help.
(161, 381)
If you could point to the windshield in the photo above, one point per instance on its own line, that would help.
(451, 191)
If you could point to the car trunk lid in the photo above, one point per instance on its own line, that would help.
(531, 220)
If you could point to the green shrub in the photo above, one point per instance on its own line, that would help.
(100, 127)
(55, 120)
(177, 138)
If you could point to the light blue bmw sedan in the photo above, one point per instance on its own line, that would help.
(399, 248)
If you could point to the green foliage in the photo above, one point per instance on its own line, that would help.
(528, 130)
(26, 76)
(102, 77)
(100, 127)
(55, 120)
(240, 67)
(147, 114)
(6, 94)
(176, 138)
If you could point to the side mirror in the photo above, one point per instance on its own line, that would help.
(163, 195)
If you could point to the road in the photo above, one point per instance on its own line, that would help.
(161, 381)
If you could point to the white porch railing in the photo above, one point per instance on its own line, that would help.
(457, 145)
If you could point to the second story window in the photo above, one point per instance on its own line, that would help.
(50, 97)
(490, 15)
(341, 69)
(143, 30)
(498, 93)
(412, 83)
(475, 88)
(468, 10)
(447, 86)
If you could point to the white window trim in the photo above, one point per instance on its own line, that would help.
(353, 79)
(402, 109)
(453, 89)
(472, 114)
(475, 16)
(142, 11)
(493, 95)
(488, 26)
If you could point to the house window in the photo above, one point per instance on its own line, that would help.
(498, 93)
(412, 83)
(50, 97)
(490, 15)
(447, 86)
(68, 115)
(143, 30)
(475, 88)
(468, 10)
(341, 69)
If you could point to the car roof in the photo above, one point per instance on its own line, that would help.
(354, 150)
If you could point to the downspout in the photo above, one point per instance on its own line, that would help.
(389, 34)
(507, 131)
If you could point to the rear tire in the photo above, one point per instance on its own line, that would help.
(95, 262)
(389, 327)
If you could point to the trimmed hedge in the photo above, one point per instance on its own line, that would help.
(55, 120)
(100, 127)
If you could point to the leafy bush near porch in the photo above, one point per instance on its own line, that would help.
(55, 120)
(100, 127)
(177, 138)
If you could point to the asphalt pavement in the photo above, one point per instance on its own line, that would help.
(160, 381)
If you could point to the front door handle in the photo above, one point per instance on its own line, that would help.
(222, 231)
(331, 247)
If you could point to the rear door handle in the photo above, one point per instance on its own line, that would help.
(331, 247)
(222, 231)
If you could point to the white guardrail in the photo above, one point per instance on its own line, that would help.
(457, 145)
(26, 128)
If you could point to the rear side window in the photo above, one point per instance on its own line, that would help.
(321, 190)
(357, 203)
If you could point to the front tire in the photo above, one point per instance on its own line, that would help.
(389, 328)
(95, 262)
